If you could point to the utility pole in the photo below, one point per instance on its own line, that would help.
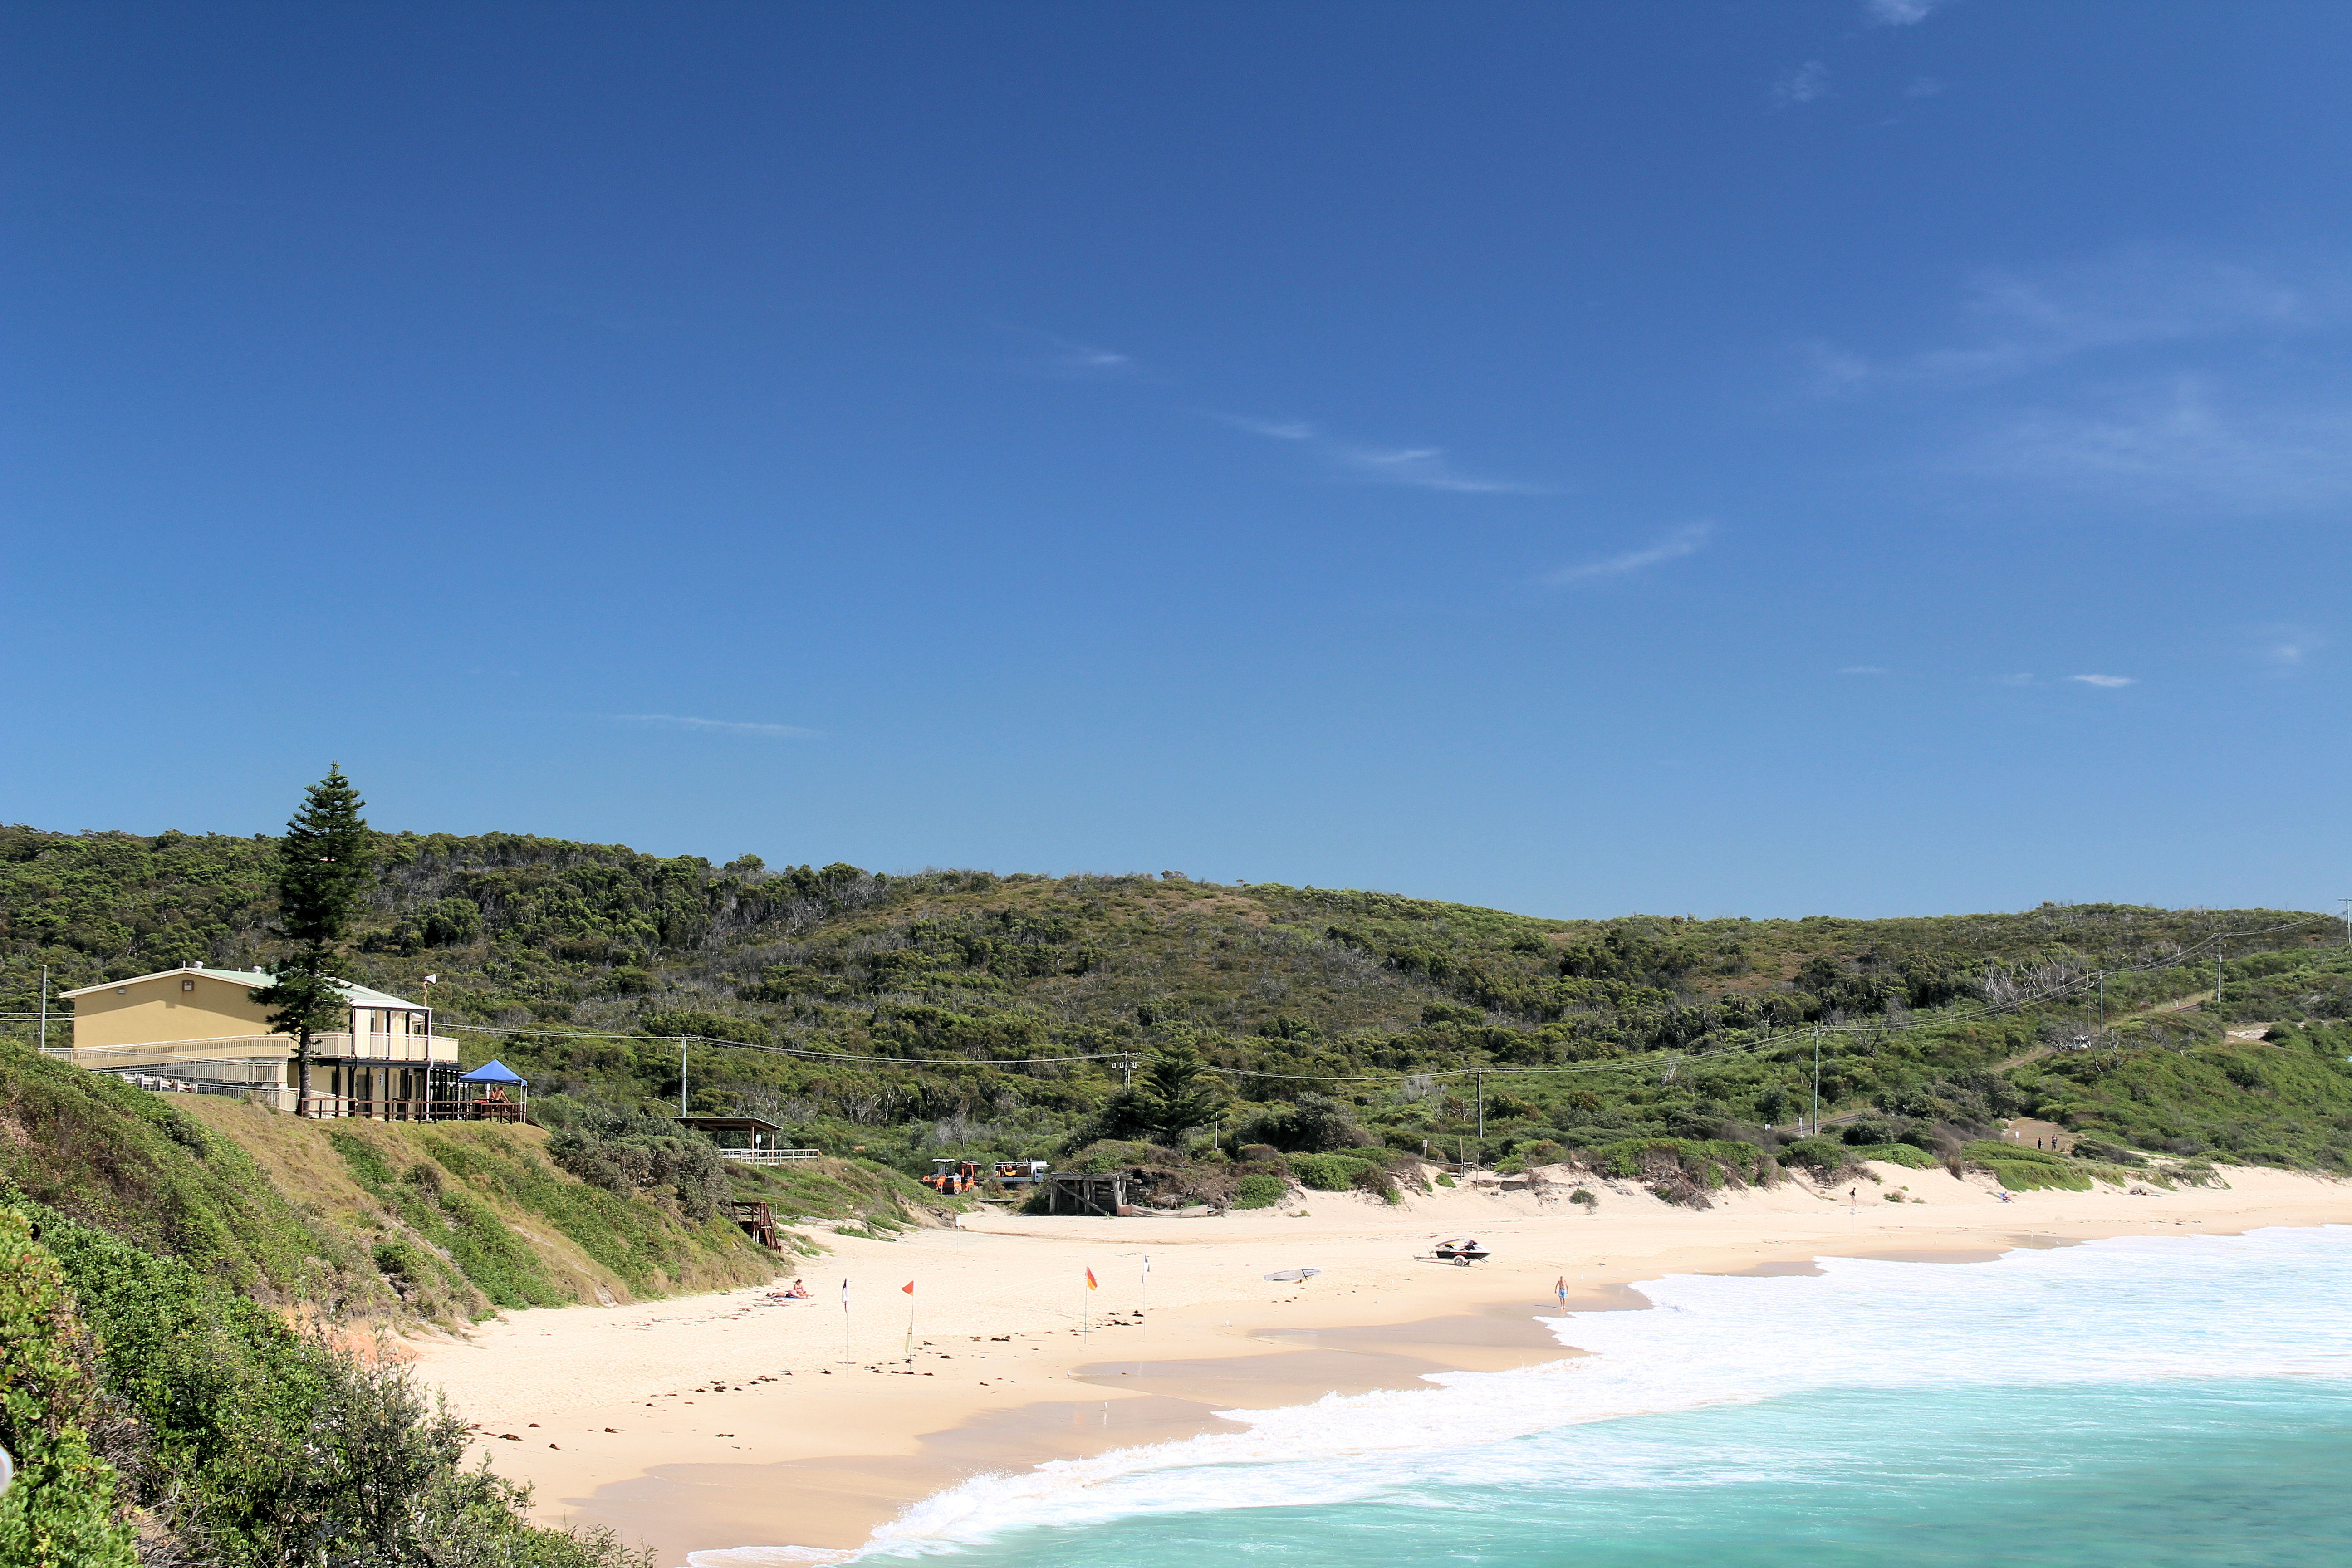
(2220, 956)
(681, 1074)
(2347, 920)
(1817, 1079)
(45, 1006)
(1482, 1118)
(2103, 1004)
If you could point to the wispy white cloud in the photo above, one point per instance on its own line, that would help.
(718, 726)
(1086, 359)
(1424, 468)
(2177, 441)
(2149, 379)
(1802, 85)
(1899, 13)
(2023, 324)
(1683, 542)
(2284, 648)
(1273, 429)
(2107, 683)
(1923, 86)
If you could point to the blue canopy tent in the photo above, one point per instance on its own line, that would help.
(486, 1094)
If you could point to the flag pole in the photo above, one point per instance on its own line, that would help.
(847, 1360)
(910, 1317)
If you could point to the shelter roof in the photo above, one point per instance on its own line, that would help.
(728, 1124)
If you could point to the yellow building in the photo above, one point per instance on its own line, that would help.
(199, 1030)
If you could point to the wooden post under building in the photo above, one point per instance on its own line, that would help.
(757, 1223)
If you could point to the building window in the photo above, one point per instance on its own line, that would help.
(187, 986)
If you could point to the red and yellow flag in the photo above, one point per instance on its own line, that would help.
(1090, 1280)
(908, 1286)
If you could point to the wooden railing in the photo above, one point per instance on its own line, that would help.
(345, 1105)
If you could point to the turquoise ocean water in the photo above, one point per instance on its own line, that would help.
(2173, 1401)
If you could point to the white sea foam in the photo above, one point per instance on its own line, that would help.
(2269, 1304)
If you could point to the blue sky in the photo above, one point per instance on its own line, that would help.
(1770, 458)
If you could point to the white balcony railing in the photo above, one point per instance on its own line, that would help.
(348, 1046)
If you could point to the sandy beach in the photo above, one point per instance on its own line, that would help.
(727, 1420)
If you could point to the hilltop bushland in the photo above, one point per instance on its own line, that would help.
(953, 1014)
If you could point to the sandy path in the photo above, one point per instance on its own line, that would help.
(826, 1428)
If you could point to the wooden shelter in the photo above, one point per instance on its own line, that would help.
(752, 1128)
(1105, 1194)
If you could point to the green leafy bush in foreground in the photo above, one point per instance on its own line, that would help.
(61, 1511)
(149, 1398)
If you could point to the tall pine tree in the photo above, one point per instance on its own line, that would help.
(1177, 1095)
(324, 871)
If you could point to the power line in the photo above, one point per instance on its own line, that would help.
(803, 1052)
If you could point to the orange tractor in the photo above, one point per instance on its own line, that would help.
(949, 1177)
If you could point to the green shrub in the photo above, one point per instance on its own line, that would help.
(1901, 1154)
(251, 1443)
(628, 1154)
(1693, 1163)
(1315, 1123)
(397, 1258)
(1825, 1156)
(1528, 1156)
(1323, 1173)
(61, 1511)
(2027, 1175)
(1987, 1149)
(1258, 1190)
(1108, 1155)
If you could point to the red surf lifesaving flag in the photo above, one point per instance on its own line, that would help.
(908, 1286)
(1090, 1280)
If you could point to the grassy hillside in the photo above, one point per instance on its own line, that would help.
(384, 1221)
(955, 1012)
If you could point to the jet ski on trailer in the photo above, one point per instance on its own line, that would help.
(1463, 1251)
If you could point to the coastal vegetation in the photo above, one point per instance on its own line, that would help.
(894, 1019)
(189, 1287)
(162, 1416)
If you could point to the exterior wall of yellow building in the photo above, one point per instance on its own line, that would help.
(179, 1005)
